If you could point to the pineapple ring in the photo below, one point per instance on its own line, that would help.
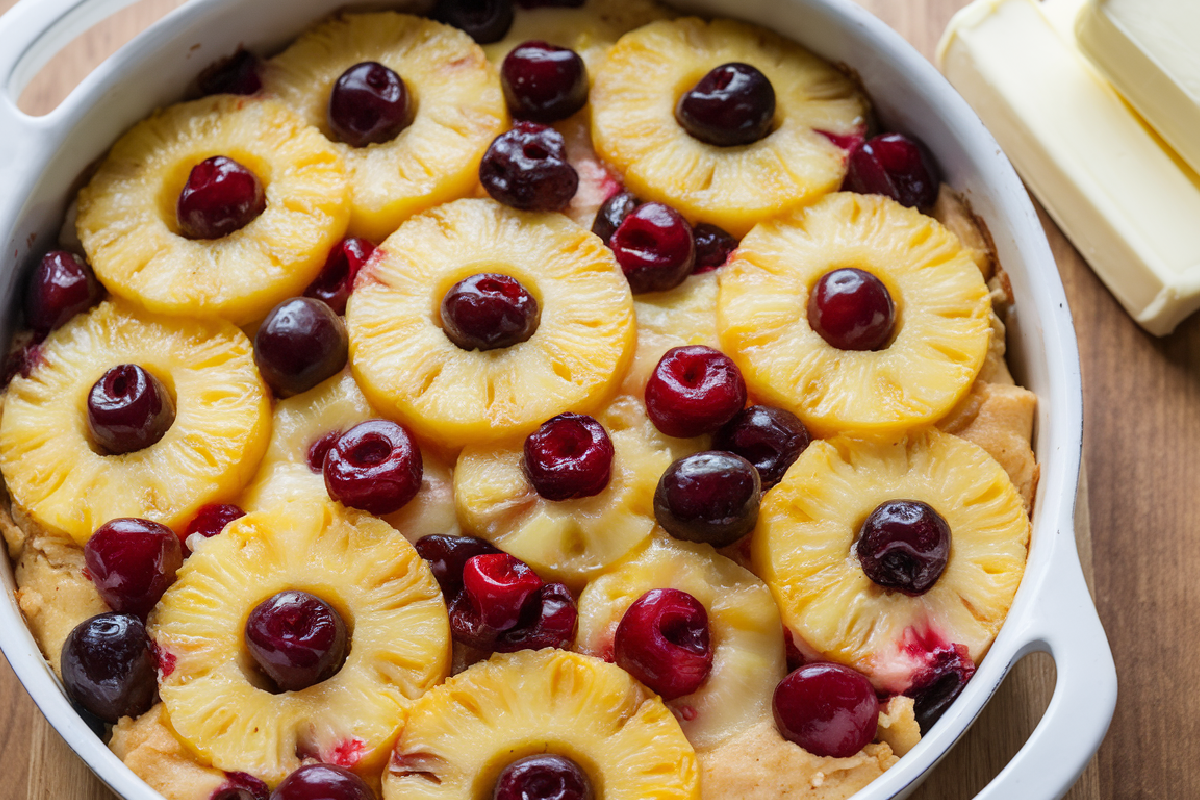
(221, 428)
(803, 548)
(462, 734)
(459, 110)
(127, 223)
(682, 316)
(571, 541)
(399, 642)
(942, 309)
(746, 634)
(409, 369)
(634, 128)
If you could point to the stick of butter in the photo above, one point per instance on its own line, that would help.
(1149, 50)
(1127, 202)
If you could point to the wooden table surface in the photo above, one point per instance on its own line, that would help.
(1142, 437)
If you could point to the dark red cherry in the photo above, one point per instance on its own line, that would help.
(132, 562)
(828, 709)
(108, 667)
(904, 545)
(710, 497)
(939, 684)
(663, 641)
(612, 213)
(240, 786)
(499, 586)
(548, 620)
(23, 360)
(655, 248)
(336, 279)
(448, 555)
(769, 438)
(713, 247)
(485, 21)
(489, 311)
(852, 310)
(543, 777)
(240, 73)
(896, 166)
(315, 458)
(543, 82)
(369, 104)
(220, 197)
(322, 782)
(300, 343)
(568, 457)
(128, 409)
(375, 466)
(62, 286)
(694, 390)
(210, 520)
(733, 104)
(297, 639)
(527, 168)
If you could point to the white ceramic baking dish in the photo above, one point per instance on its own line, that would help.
(42, 158)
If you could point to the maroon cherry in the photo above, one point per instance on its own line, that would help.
(710, 497)
(240, 786)
(210, 520)
(369, 104)
(315, 457)
(527, 168)
(322, 782)
(713, 247)
(240, 73)
(375, 466)
(896, 166)
(548, 620)
(128, 409)
(655, 248)
(498, 586)
(220, 197)
(904, 545)
(485, 21)
(336, 279)
(448, 555)
(23, 360)
(769, 438)
(132, 562)
(489, 311)
(297, 639)
(62, 286)
(852, 310)
(733, 104)
(939, 684)
(694, 390)
(108, 667)
(300, 343)
(543, 777)
(543, 82)
(663, 642)
(828, 709)
(568, 457)
(612, 213)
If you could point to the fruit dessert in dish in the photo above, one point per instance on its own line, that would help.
(649, 436)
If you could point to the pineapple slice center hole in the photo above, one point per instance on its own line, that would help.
(176, 179)
(120, 399)
(254, 673)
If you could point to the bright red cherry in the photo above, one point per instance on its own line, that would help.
(132, 562)
(62, 286)
(852, 310)
(663, 641)
(499, 585)
(543, 777)
(612, 213)
(710, 497)
(939, 684)
(543, 82)
(448, 556)
(297, 639)
(375, 466)
(713, 247)
(240, 73)
(369, 104)
(485, 21)
(526, 167)
(220, 197)
(128, 409)
(568, 457)
(828, 709)
(210, 520)
(896, 166)
(335, 282)
(770, 438)
(734, 104)
(904, 545)
(655, 247)
(322, 782)
(489, 311)
(300, 343)
(694, 390)
(108, 667)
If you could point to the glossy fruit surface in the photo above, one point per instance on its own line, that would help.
(526, 167)
(612, 213)
(733, 104)
(485, 21)
(369, 104)
(375, 466)
(904, 545)
(240, 73)
(220, 197)
(694, 390)
(663, 641)
(828, 709)
(108, 668)
(499, 586)
(543, 777)
(448, 555)
(489, 311)
(710, 497)
(713, 247)
(62, 286)
(132, 562)
(655, 248)
(770, 438)
(315, 458)
(240, 786)
(322, 782)
(300, 343)
(852, 310)
(939, 684)
(210, 520)
(895, 166)
(568, 457)
(297, 639)
(128, 409)
(543, 82)
(548, 619)
(335, 282)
